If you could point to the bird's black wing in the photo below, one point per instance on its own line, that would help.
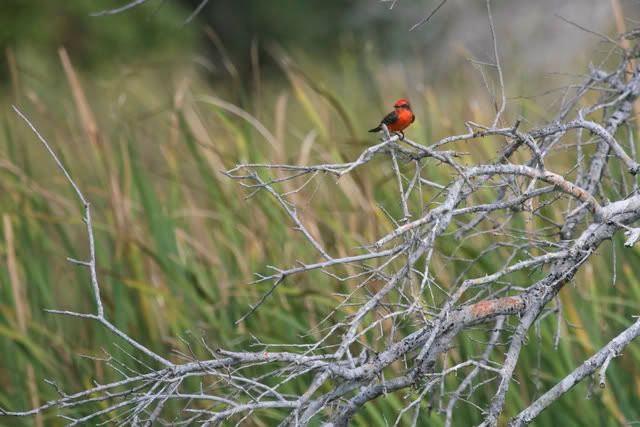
(390, 118)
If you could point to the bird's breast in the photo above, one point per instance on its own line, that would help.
(405, 118)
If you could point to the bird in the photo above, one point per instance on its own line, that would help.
(399, 119)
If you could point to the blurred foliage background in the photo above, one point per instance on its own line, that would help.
(121, 99)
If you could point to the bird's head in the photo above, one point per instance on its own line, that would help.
(402, 103)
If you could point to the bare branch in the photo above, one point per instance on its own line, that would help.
(120, 9)
(600, 359)
(415, 291)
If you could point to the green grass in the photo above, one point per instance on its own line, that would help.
(177, 242)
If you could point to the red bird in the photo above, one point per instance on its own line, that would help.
(399, 119)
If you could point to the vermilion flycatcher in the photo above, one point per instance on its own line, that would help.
(399, 119)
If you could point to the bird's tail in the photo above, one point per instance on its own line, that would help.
(376, 129)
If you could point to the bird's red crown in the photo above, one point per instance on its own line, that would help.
(402, 103)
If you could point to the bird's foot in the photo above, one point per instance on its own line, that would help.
(401, 135)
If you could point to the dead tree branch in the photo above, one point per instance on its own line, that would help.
(427, 294)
